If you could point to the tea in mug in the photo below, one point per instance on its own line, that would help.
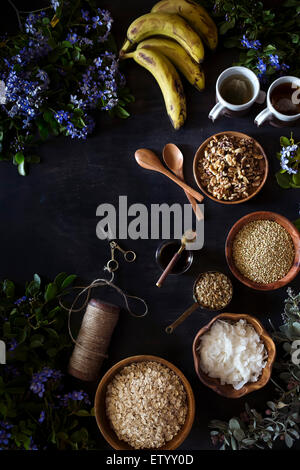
(237, 89)
(285, 98)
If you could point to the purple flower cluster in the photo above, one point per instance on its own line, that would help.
(32, 445)
(99, 83)
(25, 93)
(5, 434)
(102, 21)
(42, 417)
(250, 44)
(288, 159)
(13, 344)
(21, 300)
(65, 119)
(39, 380)
(74, 396)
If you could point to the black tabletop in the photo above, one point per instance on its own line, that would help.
(49, 221)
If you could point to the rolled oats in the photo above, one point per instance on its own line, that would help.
(146, 404)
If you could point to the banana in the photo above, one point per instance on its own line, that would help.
(165, 24)
(179, 57)
(168, 79)
(196, 16)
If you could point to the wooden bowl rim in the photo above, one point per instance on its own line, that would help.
(179, 438)
(227, 390)
(237, 134)
(285, 223)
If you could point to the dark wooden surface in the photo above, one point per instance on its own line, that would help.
(49, 221)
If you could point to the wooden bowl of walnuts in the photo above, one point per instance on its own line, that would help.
(124, 404)
(227, 390)
(230, 167)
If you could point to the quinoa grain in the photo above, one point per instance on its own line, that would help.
(263, 251)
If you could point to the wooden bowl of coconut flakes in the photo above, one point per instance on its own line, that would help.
(219, 361)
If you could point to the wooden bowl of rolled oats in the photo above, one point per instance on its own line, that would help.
(144, 402)
(230, 167)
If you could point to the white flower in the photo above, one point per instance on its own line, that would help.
(2, 92)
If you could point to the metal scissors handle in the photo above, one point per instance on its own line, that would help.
(113, 264)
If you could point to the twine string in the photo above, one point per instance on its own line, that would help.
(87, 289)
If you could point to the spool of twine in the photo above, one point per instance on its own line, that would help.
(91, 345)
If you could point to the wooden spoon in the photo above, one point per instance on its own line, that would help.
(148, 160)
(173, 158)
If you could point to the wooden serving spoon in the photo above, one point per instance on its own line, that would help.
(148, 160)
(173, 158)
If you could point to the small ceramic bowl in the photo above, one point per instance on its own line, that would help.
(165, 253)
(264, 165)
(100, 407)
(227, 390)
(285, 223)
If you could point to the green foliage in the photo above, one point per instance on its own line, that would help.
(276, 29)
(289, 175)
(34, 328)
(282, 415)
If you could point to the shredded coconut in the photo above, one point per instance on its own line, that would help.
(233, 353)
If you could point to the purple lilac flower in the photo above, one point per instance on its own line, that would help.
(287, 154)
(250, 44)
(55, 4)
(24, 94)
(19, 301)
(5, 434)
(62, 116)
(274, 61)
(261, 66)
(284, 67)
(85, 15)
(13, 344)
(42, 417)
(96, 21)
(72, 37)
(39, 379)
(74, 396)
(32, 445)
(98, 61)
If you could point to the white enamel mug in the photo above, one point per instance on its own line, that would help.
(222, 105)
(270, 111)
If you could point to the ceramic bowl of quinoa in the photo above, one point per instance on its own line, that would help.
(144, 403)
(263, 250)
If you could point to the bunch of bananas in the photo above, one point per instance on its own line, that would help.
(168, 37)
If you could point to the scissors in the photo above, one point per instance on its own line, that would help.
(112, 264)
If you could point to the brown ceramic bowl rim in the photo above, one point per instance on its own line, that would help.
(227, 390)
(237, 134)
(111, 437)
(263, 215)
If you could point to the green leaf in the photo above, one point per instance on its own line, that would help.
(51, 292)
(68, 281)
(239, 434)
(66, 44)
(296, 178)
(284, 142)
(8, 289)
(60, 279)
(82, 413)
(288, 440)
(225, 27)
(234, 424)
(283, 179)
(19, 158)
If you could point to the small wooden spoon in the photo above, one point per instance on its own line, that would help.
(173, 158)
(148, 160)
